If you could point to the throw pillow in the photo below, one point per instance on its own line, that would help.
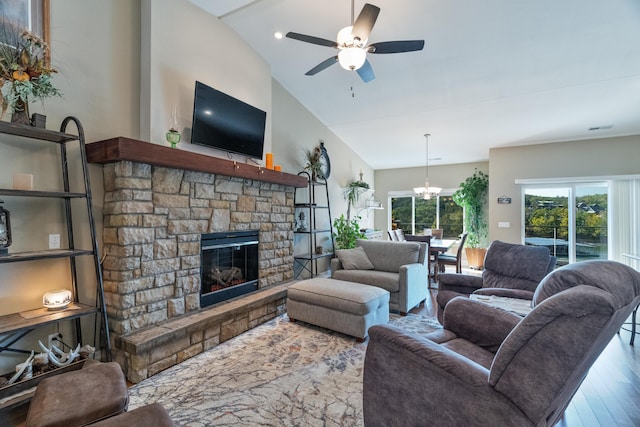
(354, 259)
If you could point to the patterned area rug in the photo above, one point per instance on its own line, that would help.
(277, 374)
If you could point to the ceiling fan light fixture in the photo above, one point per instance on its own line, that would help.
(344, 36)
(352, 58)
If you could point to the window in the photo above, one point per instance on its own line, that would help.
(571, 220)
(413, 214)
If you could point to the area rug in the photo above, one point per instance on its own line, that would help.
(277, 374)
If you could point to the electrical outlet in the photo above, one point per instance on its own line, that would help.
(54, 241)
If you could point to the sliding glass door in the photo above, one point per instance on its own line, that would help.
(570, 220)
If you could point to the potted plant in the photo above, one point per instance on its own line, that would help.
(25, 73)
(352, 193)
(472, 197)
(346, 232)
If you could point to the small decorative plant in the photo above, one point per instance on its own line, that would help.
(25, 73)
(472, 196)
(346, 232)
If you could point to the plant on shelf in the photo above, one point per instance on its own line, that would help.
(352, 193)
(346, 232)
(25, 73)
(472, 197)
(313, 164)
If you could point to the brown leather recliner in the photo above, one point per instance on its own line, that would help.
(489, 367)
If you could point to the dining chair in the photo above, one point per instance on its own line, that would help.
(456, 260)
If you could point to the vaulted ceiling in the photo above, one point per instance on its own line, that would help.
(493, 73)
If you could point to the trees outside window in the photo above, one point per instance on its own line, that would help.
(413, 214)
(571, 221)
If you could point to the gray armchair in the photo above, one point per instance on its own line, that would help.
(398, 267)
(510, 270)
(488, 367)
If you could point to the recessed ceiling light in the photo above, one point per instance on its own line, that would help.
(278, 35)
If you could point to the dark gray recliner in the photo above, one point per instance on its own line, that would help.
(489, 367)
(510, 270)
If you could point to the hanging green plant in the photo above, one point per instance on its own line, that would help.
(352, 193)
(472, 196)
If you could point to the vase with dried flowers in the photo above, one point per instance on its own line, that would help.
(313, 165)
(25, 73)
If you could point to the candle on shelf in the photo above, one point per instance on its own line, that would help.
(269, 160)
(278, 168)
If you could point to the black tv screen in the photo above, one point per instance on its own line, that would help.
(224, 122)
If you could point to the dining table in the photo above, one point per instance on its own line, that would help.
(439, 246)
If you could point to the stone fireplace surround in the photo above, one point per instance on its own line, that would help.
(157, 203)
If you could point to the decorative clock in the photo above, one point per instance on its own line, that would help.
(325, 164)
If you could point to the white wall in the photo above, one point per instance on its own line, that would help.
(294, 129)
(587, 158)
(446, 177)
(181, 44)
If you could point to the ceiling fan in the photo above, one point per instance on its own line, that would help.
(352, 43)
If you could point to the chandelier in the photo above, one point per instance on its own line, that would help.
(427, 192)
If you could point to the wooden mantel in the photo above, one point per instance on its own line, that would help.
(127, 149)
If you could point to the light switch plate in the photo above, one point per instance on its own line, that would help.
(54, 241)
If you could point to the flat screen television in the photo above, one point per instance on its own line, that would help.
(226, 123)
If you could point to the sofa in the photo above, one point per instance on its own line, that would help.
(398, 267)
(490, 367)
(510, 270)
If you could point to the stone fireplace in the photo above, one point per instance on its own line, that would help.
(158, 208)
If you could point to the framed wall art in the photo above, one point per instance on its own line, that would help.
(16, 15)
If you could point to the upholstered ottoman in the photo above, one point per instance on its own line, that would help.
(347, 307)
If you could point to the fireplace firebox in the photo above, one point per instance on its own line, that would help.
(229, 265)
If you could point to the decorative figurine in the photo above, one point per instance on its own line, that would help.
(302, 223)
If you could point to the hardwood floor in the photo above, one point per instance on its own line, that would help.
(609, 395)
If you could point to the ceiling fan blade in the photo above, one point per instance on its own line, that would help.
(321, 66)
(311, 39)
(365, 21)
(366, 72)
(396, 47)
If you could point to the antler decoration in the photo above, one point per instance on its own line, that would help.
(59, 357)
(21, 368)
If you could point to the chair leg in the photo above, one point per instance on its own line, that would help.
(633, 325)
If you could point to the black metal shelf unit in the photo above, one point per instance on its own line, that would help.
(313, 201)
(16, 325)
